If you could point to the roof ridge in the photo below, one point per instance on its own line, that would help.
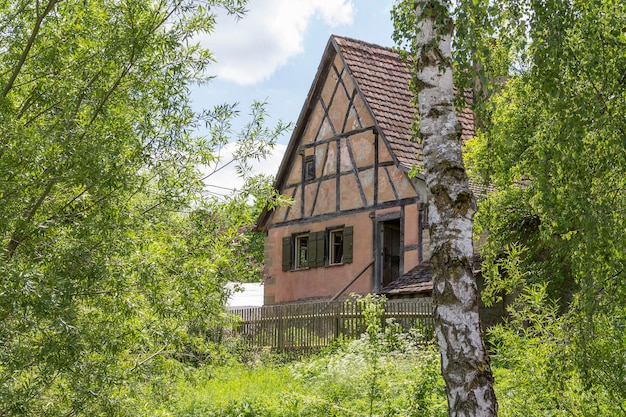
(365, 43)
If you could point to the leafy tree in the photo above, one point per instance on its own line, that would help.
(553, 148)
(534, 366)
(227, 227)
(464, 358)
(555, 151)
(104, 277)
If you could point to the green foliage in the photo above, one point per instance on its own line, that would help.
(555, 153)
(551, 143)
(406, 381)
(106, 274)
(480, 56)
(398, 373)
(223, 231)
(514, 253)
(536, 375)
(555, 148)
(236, 390)
(536, 367)
(385, 373)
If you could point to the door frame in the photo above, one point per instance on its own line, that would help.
(379, 227)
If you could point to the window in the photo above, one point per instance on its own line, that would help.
(305, 249)
(335, 246)
(302, 251)
(309, 167)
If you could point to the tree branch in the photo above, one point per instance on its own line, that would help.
(138, 364)
(29, 45)
(18, 235)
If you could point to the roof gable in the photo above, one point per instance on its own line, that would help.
(380, 79)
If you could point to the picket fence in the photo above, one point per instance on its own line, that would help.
(314, 325)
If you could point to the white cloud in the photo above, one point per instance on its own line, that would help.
(225, 180)
(250, 50)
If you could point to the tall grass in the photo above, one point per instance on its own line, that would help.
(386, 373)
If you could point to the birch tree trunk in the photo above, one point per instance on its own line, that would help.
(464, 359)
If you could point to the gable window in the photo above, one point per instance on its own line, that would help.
(309, 167)
(335, 246)
(302, 251)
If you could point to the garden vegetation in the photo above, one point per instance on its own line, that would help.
(113, 262)
(386, 372)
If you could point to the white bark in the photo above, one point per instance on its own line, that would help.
(464, 359)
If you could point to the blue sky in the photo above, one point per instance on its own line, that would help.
(272, 55)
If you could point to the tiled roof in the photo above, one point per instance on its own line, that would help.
(417, 280)
(384, 81)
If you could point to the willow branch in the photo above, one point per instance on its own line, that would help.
(29, 45)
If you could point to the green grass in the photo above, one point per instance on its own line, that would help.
(359, 378)
(214, 390)
(388, 373)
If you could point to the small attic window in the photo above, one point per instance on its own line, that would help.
(309, 168)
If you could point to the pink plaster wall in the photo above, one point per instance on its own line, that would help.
(289, 286)
(325, 282)
(411, 225)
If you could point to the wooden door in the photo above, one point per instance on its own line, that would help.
(390, 238)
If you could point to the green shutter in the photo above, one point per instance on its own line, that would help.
(316, 249)
(347, 244)
(287, 253)
(319, 243)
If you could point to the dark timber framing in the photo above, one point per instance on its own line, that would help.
(334, 215)
(393, 187)
(356, 173)
(376, 165)
(338, 176)
(355, 124)
(332, 176)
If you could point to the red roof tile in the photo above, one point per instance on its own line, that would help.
(384, 79)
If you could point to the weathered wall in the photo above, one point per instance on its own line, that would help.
(286, 286)
(325, 282)
(356, 180)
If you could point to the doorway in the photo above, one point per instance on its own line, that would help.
(390, 251)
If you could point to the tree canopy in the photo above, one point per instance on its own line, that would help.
(106, 270)
(549, 80)
(555, 151)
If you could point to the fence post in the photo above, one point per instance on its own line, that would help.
(281, 336)
(337, 313)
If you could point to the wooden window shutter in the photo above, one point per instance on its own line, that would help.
(347, 244)
(316, 249)
(320, 244)
(287, 253)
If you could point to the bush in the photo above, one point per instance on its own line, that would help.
(536, 368)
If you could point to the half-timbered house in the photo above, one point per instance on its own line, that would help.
(358, 220)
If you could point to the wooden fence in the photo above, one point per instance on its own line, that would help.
(313, 325)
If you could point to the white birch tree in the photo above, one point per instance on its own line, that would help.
(464, 359)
